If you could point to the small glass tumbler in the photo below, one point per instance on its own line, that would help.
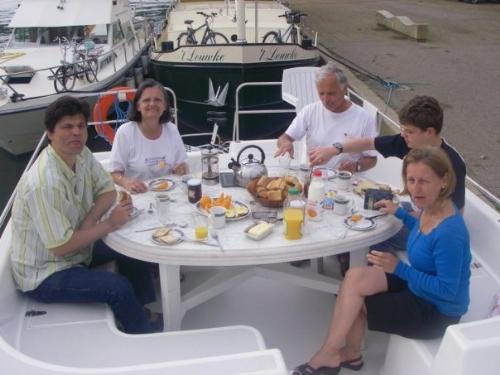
(162, 202)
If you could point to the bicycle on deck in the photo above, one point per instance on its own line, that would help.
(291, 34)
(209, 36)
(83, 63)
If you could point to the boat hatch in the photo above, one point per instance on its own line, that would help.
(18, 74)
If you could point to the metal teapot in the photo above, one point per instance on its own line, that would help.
(248, 168)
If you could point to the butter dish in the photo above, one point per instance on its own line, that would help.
(259, 230)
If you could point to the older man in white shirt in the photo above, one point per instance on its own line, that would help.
(328, 123)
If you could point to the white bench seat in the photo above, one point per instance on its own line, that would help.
(83, 339)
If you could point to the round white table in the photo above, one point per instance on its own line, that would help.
(268, 257)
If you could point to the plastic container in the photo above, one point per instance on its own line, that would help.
(293, 215)
(315, 197)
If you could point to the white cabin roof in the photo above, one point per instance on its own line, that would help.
(45, 13)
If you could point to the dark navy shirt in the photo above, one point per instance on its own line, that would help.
(395, 145)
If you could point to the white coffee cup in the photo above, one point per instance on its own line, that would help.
(217, 216)
(341, 205)
(344, 180)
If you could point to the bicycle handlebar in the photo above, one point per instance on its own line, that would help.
(207, 15)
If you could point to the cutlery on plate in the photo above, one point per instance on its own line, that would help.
(375, 216)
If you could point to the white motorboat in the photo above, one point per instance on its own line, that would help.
(57, 46)
(66, 339)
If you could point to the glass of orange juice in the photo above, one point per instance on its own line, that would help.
(200, 227)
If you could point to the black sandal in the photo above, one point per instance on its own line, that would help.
(353, 364)
(305, 369)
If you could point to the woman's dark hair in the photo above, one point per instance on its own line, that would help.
(135, 115)
(422, 112)
(437, 160)
(65, 106)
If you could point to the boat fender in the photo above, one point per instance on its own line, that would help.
(102, 108)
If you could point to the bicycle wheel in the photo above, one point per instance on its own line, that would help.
(59, 79)
(69, 77)
(184, 40)
(91, 70)
(271, 37)
(215, 38)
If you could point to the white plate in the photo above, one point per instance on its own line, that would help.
(330, 172)
(361, 225)
(153, 184)
(235, 204)
(176, 232)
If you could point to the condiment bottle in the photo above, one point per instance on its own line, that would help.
(316, 194)
(293, 214)
(194, 190)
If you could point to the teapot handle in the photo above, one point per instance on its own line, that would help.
(252, 146)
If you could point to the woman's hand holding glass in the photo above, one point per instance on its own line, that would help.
(385, 261)
(386, 206)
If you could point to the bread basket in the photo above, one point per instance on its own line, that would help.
(252, 189)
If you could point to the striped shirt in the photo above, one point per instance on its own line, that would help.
(51, 202)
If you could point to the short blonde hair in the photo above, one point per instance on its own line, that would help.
(437, 160)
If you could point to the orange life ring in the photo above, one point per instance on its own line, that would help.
(101, 110)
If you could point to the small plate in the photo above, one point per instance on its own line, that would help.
(176, 232)
(236, 204)
(361, 225)
(330, 172)
(158, 184)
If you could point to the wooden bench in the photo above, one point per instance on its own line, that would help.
(38, 338)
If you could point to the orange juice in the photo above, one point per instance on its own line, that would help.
(293, 219)
(201, 232)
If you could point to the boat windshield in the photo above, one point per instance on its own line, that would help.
(44, 36)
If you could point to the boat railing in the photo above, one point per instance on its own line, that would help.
(111, 54)
(238, 111)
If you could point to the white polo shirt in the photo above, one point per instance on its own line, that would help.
(322, 127)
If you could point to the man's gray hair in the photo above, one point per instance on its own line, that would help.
(331, 69)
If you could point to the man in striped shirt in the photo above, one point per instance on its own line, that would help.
(58, 215)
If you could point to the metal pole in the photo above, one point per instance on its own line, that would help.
(256, 25)
(240, 14)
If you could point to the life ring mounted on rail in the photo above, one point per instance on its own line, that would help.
(108, 103)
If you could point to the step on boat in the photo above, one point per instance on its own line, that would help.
(60, 46)
(208, 49)
(289, 321)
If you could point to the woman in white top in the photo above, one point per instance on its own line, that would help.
(149, 145)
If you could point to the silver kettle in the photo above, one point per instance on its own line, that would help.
(249, 168)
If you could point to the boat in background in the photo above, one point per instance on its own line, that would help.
(60, 46)
(209, 48)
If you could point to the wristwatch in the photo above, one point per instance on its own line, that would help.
(339, 147)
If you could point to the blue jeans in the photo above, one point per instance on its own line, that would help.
(125, 293)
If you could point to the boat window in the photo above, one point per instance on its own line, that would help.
(25, 36)
(117, 32)
(70, 32)
(129, 33)
(98, 33)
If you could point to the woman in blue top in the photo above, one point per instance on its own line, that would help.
(416, 300)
